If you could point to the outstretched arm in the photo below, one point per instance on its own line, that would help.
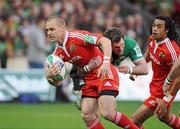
(140, 68)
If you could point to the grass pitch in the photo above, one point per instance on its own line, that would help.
(62, 116)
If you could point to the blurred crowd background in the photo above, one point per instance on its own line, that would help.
(23, 43)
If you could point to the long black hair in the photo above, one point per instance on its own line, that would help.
(170, 26)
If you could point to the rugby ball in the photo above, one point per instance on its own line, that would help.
(53, 59)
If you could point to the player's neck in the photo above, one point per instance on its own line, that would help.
(61, 40)
(60, 43)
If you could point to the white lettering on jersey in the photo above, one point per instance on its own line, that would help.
(154, 59)
(74, 59)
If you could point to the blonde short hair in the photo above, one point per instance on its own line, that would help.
(60, 21)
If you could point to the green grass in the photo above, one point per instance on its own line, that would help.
(62, 116)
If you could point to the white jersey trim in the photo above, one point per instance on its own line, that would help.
(64, 44)
(171, 50)
(77, 35)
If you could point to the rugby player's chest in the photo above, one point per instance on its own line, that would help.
(78, 54)
(157, 54)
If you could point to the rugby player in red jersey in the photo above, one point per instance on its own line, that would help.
(162, 52)
(102, 82)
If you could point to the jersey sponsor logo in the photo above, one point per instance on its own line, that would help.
(107, 84)
(154, 59)
(74, 59)
(161, 55)
(90, 39)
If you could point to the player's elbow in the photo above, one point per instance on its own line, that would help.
(141, 67)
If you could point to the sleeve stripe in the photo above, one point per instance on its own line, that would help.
(77, 35)
(80, 34)
(171, 50)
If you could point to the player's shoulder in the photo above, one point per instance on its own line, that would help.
(175, 44)
(130, 43)
(171, 49)
(171, 45)
(76, 35)
(129, 40)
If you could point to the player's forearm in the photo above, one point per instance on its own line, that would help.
(176, 86)
(175, 70)
(141, 69)
(93, 63)
(106, 46)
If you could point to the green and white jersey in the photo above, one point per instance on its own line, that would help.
(131, 50)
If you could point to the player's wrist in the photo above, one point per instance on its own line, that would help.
(168, 81)
(86, 68)
(168, 98)
(106, 59)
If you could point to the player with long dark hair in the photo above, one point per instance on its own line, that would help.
(162, 52)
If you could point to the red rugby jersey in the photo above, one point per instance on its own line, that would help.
(79, 47)
(162, 55)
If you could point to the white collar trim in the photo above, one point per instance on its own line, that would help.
(163, 41)
(64, 44)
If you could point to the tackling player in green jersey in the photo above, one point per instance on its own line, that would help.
(123, 47)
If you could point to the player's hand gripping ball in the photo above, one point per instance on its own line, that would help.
(53, 59)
